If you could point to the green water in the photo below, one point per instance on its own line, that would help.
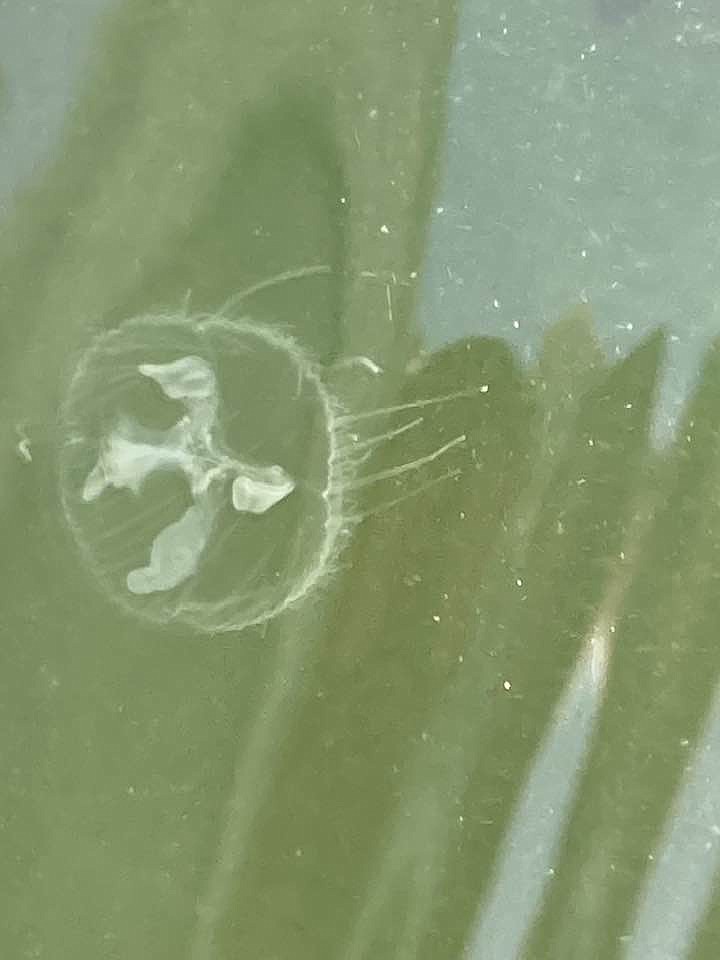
(340, 778)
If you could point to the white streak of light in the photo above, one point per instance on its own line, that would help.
(681, 883)
(525, 861)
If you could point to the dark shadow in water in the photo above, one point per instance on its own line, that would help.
(409, 752)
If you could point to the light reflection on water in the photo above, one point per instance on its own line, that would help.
(579, 165)
(39, 85)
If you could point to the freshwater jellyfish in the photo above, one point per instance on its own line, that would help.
(209, 473)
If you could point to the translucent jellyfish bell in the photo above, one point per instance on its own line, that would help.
(193, 489)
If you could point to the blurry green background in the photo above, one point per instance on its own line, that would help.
(377, 772)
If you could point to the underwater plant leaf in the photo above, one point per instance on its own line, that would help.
(571, 358)
(538, 613)
(663, 674)
(571, 361)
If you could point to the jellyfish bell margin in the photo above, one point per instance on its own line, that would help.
(197, 469)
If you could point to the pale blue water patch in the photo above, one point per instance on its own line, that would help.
(43, 49)
(582, 162)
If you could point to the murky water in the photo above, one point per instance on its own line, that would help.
(358, 483)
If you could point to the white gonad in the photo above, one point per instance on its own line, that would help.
(130, 453)
(209, 471)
